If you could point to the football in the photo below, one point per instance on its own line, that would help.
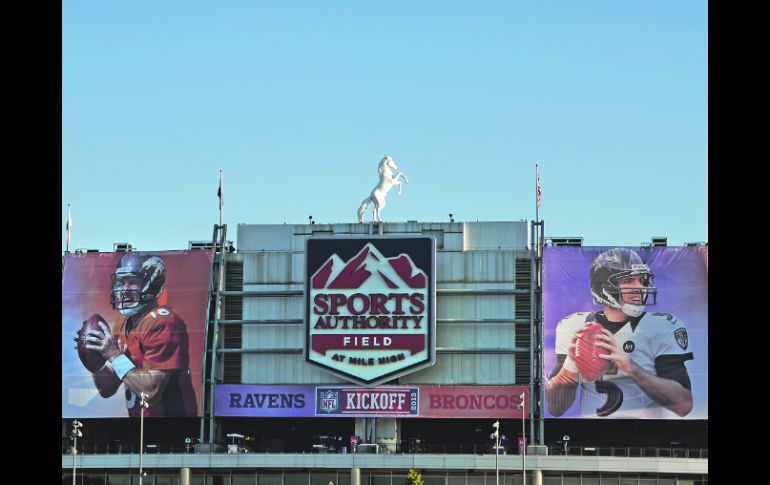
(590, 366)
(91, 359)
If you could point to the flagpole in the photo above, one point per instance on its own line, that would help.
(221, 202)
(69, 227)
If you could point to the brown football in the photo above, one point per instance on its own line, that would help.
(590, 366)
(90, 358)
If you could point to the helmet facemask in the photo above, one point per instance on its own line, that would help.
(623, 298)
(607, 273)
(137, 283)
(128, 299)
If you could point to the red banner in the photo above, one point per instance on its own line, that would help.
(473, 401)
(412, 343)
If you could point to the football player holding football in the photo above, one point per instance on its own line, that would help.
(147, 348)
(646, 376)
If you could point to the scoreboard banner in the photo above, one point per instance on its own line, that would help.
(167, 334)
(494, 402)
(370, 306)
(649, 308)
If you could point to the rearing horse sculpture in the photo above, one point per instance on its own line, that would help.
(387, 181)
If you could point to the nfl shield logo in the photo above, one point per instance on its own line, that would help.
(328, 400)
(681, 337)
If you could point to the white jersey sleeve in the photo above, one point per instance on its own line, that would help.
(565, 329)
(672, 338)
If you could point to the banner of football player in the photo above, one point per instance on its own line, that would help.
(124, 314)
(370, 306)
(625, 332)
(383, 401)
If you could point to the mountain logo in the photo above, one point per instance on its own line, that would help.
(395, 272)
(370, 306)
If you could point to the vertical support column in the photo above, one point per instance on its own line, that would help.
(214, 344)
(206, 393)
(538, 386)
(386, 434)
(355, 476)
(537, 477)
(210, 352)
(533, 333)
(536, 351)
(539, 322)
(185, 477)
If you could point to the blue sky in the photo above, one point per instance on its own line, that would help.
(297, 101)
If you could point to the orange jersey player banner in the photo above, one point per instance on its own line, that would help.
(127, 313)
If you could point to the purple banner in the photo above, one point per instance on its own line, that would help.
(657, 347)
(264, 401)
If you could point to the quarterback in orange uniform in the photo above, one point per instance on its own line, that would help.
(147, 349)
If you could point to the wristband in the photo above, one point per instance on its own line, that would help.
(569, 365)
(122, 365)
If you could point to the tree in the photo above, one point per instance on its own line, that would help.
(414, 477)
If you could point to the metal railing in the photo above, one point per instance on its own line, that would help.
(639, 452)
(125, 447)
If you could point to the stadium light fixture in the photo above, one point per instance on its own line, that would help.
(143, 405)
(76, 425)
(522, 398)
(496, 434)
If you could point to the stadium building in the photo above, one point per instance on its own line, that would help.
(312, 374)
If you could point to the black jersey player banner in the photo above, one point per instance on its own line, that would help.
(127, 316)
(625, 332)
(370, 306)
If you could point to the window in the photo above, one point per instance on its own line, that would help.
(512, 480)
(322, 479)
(380, 480)
(269, 479)
(244, 479)
(296, 479)
(218, 479)
(434, 480)
(166, 479)
(118, 479)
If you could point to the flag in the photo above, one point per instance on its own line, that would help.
(69, 226)
(221, 197)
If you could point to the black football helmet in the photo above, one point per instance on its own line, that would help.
(610, 267)
(150, 275)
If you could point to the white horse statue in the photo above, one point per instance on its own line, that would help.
(387, 181)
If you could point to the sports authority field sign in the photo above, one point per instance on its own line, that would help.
(370, 306)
